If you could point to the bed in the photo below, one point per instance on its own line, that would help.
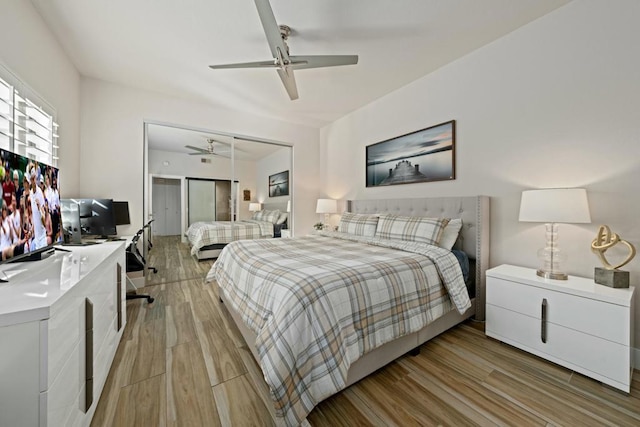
(208, 238)
(318, 351)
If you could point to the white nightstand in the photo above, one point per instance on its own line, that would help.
(285, 234)
(575, 323)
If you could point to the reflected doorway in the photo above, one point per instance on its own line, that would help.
(166, 209)
(209, 200)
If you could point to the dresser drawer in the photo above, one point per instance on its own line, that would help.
(593, 317)
(595, 357)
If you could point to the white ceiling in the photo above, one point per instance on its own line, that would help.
(166, 46)
(174, 139)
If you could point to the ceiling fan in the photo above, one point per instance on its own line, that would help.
(209, 150)
(277, 38)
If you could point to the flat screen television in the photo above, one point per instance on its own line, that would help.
(121, 213)
(31, 220)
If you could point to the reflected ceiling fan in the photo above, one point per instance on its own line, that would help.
(210, 149)
(277, 38)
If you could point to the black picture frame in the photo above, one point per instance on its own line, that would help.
(279, 184)
(425, 155)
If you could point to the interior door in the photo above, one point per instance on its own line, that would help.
(166, 206)
(223, 199)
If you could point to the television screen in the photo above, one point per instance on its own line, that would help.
(31, 221)
(121, 213)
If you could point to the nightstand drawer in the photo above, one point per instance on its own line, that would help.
(595, 357)
(593, 317)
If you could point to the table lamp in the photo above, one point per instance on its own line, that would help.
(255, 207)
(553, 206)
(326, 207)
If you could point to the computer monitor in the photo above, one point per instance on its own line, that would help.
(121, 213)
(97, 218)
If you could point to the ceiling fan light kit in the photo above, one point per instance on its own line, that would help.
(284, 63)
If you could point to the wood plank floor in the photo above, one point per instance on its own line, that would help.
(182, 362)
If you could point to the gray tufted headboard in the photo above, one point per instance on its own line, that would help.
(474, 236)
(272, 206)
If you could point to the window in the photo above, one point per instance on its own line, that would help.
(26, 126)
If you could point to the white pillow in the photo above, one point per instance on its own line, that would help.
(270, 216)
(358, 224)
(450, 233)
(282, 218)
(411, 228)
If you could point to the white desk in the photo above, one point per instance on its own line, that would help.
(51, 355)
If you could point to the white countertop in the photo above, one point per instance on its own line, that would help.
(35, 286)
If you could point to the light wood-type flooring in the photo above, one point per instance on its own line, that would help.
(182, 362)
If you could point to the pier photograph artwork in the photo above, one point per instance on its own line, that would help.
(424, 155)
(279, 184)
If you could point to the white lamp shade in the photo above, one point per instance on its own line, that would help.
(254, 207)
(566, 205)
(327, 206)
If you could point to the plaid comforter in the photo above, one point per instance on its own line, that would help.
(201, 234)
(318, 303)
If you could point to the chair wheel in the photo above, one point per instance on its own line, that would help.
(150, 300)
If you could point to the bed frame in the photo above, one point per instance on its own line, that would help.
(474, 240)
(212, 251)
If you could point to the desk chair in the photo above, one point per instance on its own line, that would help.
(149, 244)
(135, 262)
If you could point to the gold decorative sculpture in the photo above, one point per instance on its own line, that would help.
(605, 240)
(610, 275)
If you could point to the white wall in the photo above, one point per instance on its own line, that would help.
(278, 161)
(31, 51)
(112, 150)
(553, 104)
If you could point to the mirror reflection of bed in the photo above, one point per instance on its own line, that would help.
(208, 238)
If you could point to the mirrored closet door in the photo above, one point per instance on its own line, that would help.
(206, 163)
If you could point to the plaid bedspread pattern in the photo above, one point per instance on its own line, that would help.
(320, 302)
(201, 234)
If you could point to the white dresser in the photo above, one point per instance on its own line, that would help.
(576, 323)
(61, 320)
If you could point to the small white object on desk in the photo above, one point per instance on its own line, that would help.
(575, 323)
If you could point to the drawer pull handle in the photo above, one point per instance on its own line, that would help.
(88, 354)
(543, 321)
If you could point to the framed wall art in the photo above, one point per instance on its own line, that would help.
(421, 156)
(279, 184)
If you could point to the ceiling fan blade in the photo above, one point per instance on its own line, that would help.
(258, 64)
(271, 29)
(300, 62)
(191, 147)
(289, 81)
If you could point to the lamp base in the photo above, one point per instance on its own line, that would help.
(552, 275)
